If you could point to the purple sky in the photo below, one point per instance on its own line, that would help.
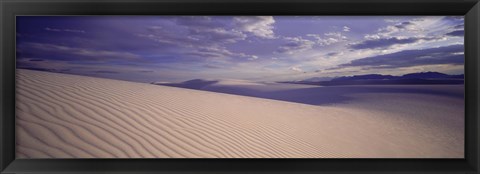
(266, 48)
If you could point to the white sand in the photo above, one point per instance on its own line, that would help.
(69, 116)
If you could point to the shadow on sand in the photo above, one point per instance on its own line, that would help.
(329, 95)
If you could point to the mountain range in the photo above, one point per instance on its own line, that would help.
(379, 79)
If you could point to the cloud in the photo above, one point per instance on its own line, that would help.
(57, 70)
(60, 52)
(145, 71)
(64, 30)
(407, 34)
(199, 21)
(217, 34)
(218, 52)
(383, 42)
(210, 66)
(461, 26)
(294, 45)
(53, 29)
(336, 35)
(261, 26)
(36, 60)
(241, 46)
(328, 38)
(391, 20)
(333, 55)
(378, 42)
(203, 37)
(402, 26)
(458, 33)
(372, 36)
(204, 29)
(405, 25)
(432, 56)
(193, 31)
(455, 18)
(45, 65)
(296, 69)
(390, 30)
(236, 27)
(105, 72)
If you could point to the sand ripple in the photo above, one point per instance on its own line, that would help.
(69, 116)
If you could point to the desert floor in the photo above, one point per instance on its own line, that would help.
(71, 116)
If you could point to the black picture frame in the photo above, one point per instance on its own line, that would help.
(11, 8)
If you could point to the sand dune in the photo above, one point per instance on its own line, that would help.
(69, 116)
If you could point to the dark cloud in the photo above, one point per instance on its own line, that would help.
(61, 52)
(204, 30)
(146, 71)
(36, 60)
(443, 55)
(64, 30)
(110, 39)
(44, 69)
(404, 25)
(461, 26)
(106, 72)
(295, 44)
(383, 43)
(407, 25)
(198, 21)
(210, 66)
(333, 54)
(200, 36)
(458, 33)
(454, 18)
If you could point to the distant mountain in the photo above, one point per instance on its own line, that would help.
(318, 79)
(379, 79)
(420, 75)
(365, 77)
(427, 75)
(460, 76)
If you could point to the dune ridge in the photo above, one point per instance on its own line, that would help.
(71, 116)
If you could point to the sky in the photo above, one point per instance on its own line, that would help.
(258, 48)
